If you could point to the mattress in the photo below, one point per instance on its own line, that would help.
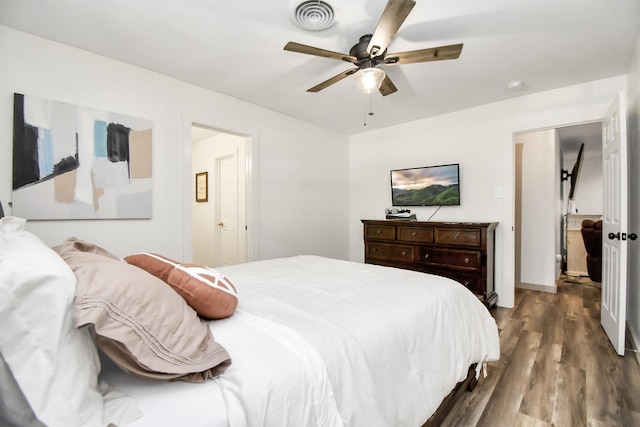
(324, 342)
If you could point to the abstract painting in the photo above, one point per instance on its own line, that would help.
(72, 162)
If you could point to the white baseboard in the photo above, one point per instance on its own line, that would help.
(534, 287)
(577, 273)
(634, 343)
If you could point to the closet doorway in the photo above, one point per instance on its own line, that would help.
(219, 211)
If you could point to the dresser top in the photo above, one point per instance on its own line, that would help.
(429, 223)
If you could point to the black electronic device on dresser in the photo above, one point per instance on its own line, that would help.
(462, 251)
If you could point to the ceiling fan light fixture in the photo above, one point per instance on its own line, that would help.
(369, 80)
(313, 15)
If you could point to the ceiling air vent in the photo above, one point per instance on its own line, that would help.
(313, 15)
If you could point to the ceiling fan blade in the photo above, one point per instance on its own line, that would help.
(392, 18)
(387, 87)
(424, 55)
(310, 50)
(332, 80)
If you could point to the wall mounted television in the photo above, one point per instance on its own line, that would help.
(426, 186)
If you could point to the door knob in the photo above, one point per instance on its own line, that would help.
(633, 236)
(613, 236)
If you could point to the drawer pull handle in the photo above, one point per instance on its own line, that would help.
(404, 253)
(379, 231)
(426, 256)
(457, 236)
(414, 234)
(466, 260)
(374, 250)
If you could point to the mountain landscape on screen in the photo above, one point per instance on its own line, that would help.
(426, 186)
(428, 196)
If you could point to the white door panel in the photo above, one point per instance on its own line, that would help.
(228, 210)
(614, 225)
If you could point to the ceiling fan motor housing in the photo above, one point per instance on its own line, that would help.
(364, 58)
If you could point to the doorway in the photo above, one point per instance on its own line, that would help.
(542, 207)
(219, 213)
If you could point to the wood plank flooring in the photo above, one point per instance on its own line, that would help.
(557, 367)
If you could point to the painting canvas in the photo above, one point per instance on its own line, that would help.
(72, 162)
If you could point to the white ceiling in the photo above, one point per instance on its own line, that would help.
(589, 134)
(235, 47)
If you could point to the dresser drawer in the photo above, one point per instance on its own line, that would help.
(415, 234)
(380, 232)
(473, 283)
(464, 260)
(381, 251)
(458, 237)
(462, 251)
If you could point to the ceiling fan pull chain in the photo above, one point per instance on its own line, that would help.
(370, 113)
(371, 104)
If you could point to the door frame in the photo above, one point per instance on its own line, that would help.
(509, 239)
(252, 206)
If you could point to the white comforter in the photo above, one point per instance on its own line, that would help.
(322, 342)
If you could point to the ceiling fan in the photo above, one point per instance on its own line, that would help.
(371, 51)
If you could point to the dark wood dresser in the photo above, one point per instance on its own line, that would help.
(462, 251)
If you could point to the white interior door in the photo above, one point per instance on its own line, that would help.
(614, 227)
(228, 210)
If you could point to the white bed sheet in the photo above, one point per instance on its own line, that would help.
(381, 347)
(275, 379)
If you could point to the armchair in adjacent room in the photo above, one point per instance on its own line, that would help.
(592, 236)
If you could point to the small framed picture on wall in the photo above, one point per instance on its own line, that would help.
(202, 187)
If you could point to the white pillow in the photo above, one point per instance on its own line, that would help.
(55, 365)
(14, 408)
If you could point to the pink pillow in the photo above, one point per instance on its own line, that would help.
(155, 264)
(207, 291)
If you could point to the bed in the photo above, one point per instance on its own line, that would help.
(313, 341)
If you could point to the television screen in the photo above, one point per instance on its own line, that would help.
(575, 173)
(426, 186)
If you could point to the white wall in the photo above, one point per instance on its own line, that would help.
(300, 169)
(588, 195)
(633, 289)
(541, 211)
(481, 140)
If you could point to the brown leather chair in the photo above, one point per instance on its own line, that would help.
(592, 236)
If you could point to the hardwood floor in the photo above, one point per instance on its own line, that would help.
(557, 367)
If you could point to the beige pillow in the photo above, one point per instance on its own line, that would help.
(140, 322)
(207, 291)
